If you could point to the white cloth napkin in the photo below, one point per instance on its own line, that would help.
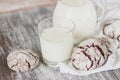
(106, 10)
(113, 62)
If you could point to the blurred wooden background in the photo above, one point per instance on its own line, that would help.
(14, 5)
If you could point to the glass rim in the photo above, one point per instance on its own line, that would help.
(48, 18)
(71, 30)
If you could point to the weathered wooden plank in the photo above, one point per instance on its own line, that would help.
(5, 5)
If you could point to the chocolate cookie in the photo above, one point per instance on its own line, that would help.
(112, 29)
(92, 53)
(22, 60)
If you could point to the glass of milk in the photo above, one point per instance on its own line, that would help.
(56, 42)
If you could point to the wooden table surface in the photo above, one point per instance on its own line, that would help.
(5, 5)
(18, 30)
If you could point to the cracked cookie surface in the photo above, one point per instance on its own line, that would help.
(92, 53)
(22, 60)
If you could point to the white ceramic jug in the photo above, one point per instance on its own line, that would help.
(82, 12)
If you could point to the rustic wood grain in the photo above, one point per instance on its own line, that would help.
(18, 30)
(15, 5)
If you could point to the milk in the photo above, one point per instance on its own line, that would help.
(82, 12)
(56, 44)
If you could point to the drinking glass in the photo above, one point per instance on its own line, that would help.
(56, 39)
